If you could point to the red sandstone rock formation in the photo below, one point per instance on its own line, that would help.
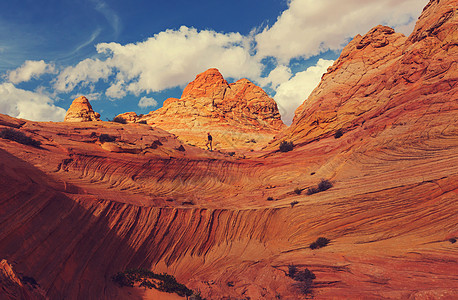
(81, 111)
(84, 206)
(128, 117)
(238, 115)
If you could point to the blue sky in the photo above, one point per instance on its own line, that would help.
(133, 55)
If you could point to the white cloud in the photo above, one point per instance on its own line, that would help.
(147, 102)
(85, 72)
(89, 96)
(28, 105)
(309, 27)
(173, 57)
(276, 77)
(30, 69)
(292, 93)
(168, 59)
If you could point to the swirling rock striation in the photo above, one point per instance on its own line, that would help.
(96, 198)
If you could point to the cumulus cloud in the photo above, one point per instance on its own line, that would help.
(85, 72)
(30, 69)
(276, 77)
(168, 59)
(28, 105)
(147, 102)
(290, 94)
(309, 27)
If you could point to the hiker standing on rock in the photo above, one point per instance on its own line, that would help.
(209, 142)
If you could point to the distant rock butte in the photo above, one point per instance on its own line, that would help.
(81, 111)
(384, 79)
(238, 115)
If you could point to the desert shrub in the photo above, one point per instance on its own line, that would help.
(104, 138)
(297, 191)
(286, 146)
(294, 203)
(231, 153)
(142, 122)
(270, 199)
(166, 283)
(188, 203)
(292, 269)
(305, 275)
(122, 279)
(322, 186)
(304, 279)
(181, 148)
(230, 284)
(18, 137)
(148, 284)
(452, 240)
(119, 119)
(319, 243)
(338, 133)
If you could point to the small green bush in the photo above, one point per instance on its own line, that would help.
(286, 146)
(319, 243)
(167, 283)
(18, 137)
(452, 240)
(122, 279)
(292, 269)
(304, 279)
(270, 199)
(338, 133)
(322, 186)
(298, 191)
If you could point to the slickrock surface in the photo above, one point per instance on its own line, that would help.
(81, 111)
(238, 115)
(84, 206)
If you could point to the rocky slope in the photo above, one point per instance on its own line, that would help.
(384, 79)
(238, 115)
(98, 197)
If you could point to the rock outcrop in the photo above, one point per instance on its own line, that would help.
(238, 115)
(384, 79)
(81, 111)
